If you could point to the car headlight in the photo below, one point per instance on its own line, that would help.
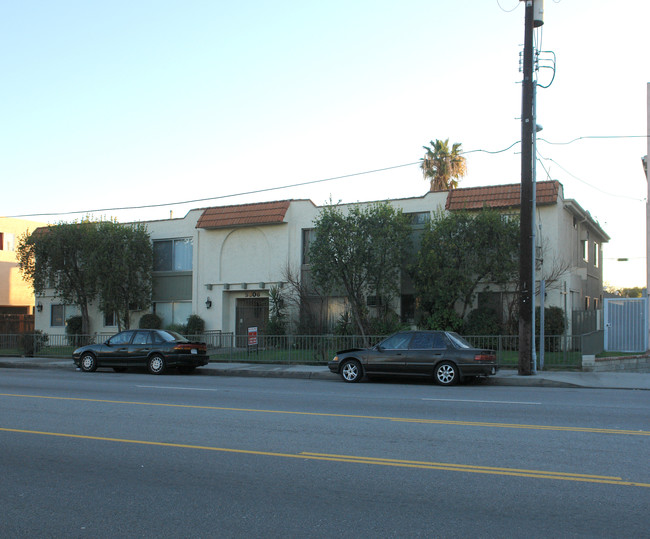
(336, 358)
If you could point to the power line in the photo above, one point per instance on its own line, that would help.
(312, 182)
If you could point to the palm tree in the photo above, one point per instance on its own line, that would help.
(443, 168)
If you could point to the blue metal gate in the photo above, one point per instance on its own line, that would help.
(626, 324)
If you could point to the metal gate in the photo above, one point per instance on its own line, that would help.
(626, 324)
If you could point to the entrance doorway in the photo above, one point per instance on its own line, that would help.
(250, 312)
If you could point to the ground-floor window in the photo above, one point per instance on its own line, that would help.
(173, 312)
(110, 320)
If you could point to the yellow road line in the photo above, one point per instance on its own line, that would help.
(533, 474)
(349, 416)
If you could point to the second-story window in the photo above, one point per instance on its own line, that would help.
(585, 250)
(596, 254)
(172, 255)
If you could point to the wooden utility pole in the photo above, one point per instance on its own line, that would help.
(526, 284)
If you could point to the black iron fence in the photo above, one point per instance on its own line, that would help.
(559, 351)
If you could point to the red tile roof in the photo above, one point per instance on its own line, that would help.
(263, 213)
(499, 196)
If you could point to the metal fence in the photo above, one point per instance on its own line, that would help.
(559, 351)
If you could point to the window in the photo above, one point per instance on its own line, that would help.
(142, 337)
(172, 255)
(397, 342)
(422, 341)
(308, 236)
(173, 312)
(585, 250)
(57, 315)
(596, 254)
(418, 218)
(122, 338)
(110, 320)
(7, 242)
(586, 303)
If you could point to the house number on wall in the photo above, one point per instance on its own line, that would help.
(252, 294)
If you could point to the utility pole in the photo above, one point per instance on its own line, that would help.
(526, 283)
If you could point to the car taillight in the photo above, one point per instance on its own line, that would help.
(484, 357)
(184, 347)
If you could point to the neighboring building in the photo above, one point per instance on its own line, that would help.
(16, 296)
(569, 243)
(221, 262)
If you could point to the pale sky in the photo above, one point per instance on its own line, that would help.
(128, 103)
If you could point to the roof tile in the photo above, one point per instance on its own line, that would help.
(499, 196)
(263, 213)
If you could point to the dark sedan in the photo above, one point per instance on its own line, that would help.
(445, 355)
(155, 349)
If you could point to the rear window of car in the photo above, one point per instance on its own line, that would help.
(170, 336)
(458, 341)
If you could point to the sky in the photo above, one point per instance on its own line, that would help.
(119, 104)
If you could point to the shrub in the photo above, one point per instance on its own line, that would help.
(73, 327)
(31, 343)
(150, 321)
(482, 321)
(195, 325)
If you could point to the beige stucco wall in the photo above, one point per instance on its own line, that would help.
(14, 292)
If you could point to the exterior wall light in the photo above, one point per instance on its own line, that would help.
(208, 303)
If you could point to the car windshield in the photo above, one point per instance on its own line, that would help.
(170, 336)
(458, 341)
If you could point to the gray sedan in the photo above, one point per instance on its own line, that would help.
(445, 355)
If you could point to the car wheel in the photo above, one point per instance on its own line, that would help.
(119, 369)
(351, 371)
(186, 369)
(88, 363)
(156, 364)
(446, 373)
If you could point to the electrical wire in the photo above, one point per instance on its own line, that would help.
(277, 188)
(583, 181)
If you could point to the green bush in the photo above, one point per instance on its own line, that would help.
(195, 325)
(150, 321)
(31, 343)
(73, 327)
(483, 321)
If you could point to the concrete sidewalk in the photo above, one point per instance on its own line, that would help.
(505, 377)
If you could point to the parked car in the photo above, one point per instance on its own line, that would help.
(155, 349)
(445, 355)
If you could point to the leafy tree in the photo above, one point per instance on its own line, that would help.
(360, 254)
(123, 262)
(61, 257)
(88, 261)
(277, 324)
(443, 167)
(459, 250)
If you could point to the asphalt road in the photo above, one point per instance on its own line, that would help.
(133, 455)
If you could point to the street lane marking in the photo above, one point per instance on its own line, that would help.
(483, 402)
(514, 472)
(348, 416)
(180, 388)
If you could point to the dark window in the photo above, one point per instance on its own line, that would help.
(142, 337)
(122, 338)
(162, 255)
(308, 235)
(172, 255)
(418, 218)
(57, 315)
(422, 341)
(399, 341)
(110, 319)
